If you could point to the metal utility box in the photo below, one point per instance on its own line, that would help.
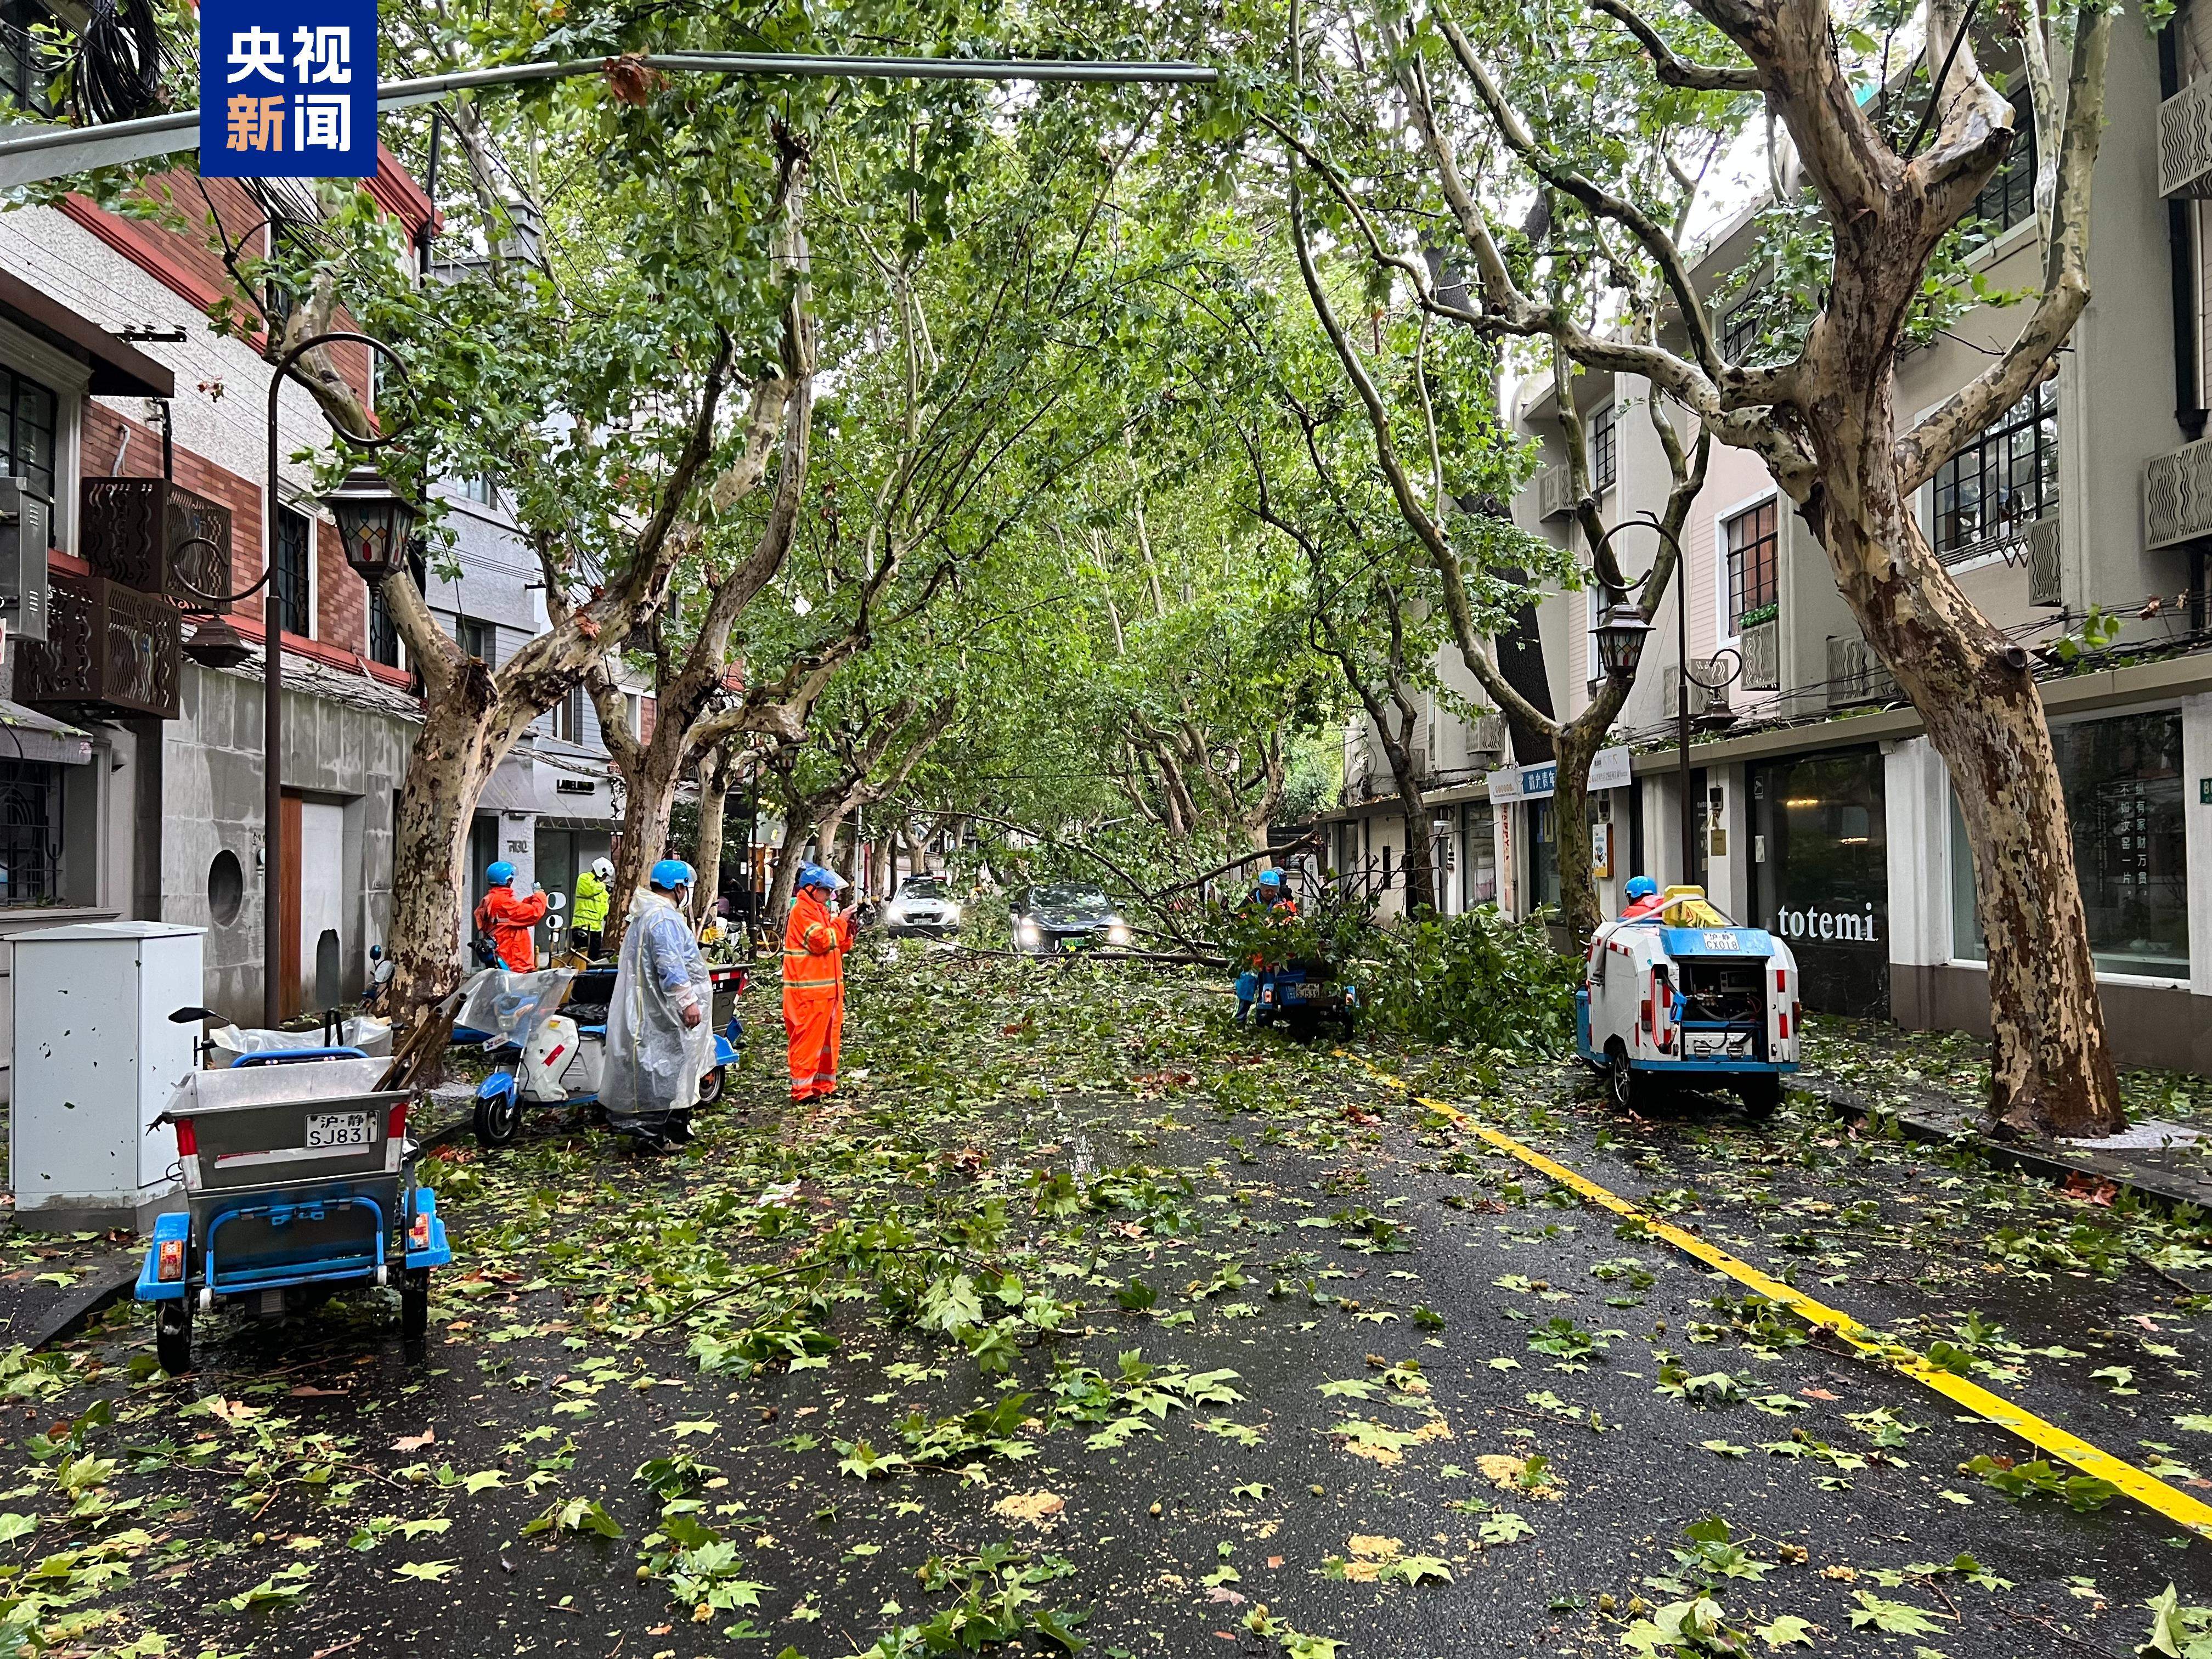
(96, 1060)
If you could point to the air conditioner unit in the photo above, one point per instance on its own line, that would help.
(1555, 496)
(26, 533)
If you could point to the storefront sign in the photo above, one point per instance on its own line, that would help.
(1830, 927)
(287, 89)
(1610, 770)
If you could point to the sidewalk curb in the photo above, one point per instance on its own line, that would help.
(2048, 1161)
(95, 1295)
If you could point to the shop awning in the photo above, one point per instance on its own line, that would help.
(118, 368)
(27, 734)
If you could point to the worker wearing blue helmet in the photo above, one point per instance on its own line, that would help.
(659, 1042)
(1643, 895)
(815, 940)
(508, 919)
(1271, 895)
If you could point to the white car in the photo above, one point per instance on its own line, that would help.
(921, 905)
(1684, 995)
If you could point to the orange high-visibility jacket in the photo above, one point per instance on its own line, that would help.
(814, 946)
(508, 919)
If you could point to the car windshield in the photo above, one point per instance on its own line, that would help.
(1067, 896)
(921, 887)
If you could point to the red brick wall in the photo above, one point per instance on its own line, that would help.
(341, 597)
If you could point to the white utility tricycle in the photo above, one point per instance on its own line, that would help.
(1681, 995)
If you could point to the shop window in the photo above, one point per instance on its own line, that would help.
(2002, 482)
(1478, 855)
(29, 419)
(30, 832)
(295, 553)
(1604, 448)
(1820, 874)
(1752, 540)
(1543, 855)
(2122, 782)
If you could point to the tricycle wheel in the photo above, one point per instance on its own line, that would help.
(711, 1084)
(415, 1304)
(1761, 1093)
(173, 1336)
(499, 1118)
(1620, 1080)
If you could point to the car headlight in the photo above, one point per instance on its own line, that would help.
(1026, 929)
(894, 911)
(952, 913)
(1117, 931)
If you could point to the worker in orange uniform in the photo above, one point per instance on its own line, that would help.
(508, 919)
(815, 940)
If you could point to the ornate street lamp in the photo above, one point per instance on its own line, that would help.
(374, 522)
(1622, 632)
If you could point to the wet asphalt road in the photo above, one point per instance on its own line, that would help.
(304, 1453)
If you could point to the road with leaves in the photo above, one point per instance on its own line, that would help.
(1086, 1318)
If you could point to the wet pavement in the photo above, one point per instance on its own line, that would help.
(1290, 1363)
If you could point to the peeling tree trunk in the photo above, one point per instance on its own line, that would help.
(2052, 1071)
(797, 829)
(718, 773)
(446, 771)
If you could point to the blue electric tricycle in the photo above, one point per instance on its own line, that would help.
(546, 1034)
(299, 1180)
(1302, 996)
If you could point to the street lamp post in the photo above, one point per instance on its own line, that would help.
(1623, 630)
(372, 521)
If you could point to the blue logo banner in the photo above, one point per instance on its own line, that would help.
(287, 89)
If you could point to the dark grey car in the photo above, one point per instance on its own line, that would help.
(1054, 916)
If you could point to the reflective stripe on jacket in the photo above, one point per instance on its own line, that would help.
(814, 946)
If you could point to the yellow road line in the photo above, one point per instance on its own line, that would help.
(2140, 1485)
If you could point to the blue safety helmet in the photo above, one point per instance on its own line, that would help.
(1642, 887)
(500, 874)
(670, 874)
(1271, 879)
(817, 875)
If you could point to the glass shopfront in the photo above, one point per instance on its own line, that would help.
(1543, 866)
(2122, 781)
(1821, 867)
(1478, 860)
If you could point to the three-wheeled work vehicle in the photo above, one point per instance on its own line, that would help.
(547, 1036)
(1301, 997)
(299, 1180)
(1683, 996)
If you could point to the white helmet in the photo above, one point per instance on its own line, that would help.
(604, 869)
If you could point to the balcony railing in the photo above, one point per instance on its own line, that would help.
(2184, 142)
(1761, 644)
(107, 647)
(155, 536)
(2178, 494)
(2046, 583)
(1856, 674)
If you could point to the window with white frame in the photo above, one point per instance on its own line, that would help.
(2004, 480)
(41, 410)
(1752, 541)
(293, 580)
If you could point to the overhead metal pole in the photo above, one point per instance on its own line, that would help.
(29, 154)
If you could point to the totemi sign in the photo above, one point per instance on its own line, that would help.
(1608, 770)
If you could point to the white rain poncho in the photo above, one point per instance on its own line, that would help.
(653, 1063)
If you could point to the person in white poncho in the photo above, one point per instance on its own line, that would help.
(659, 1042)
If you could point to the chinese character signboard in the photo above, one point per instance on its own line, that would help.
(287, 89)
